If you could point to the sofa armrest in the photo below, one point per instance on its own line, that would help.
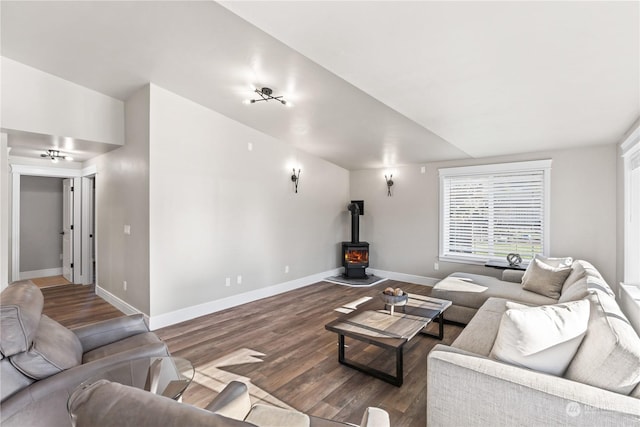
(109, 331)
(467, 389)
(375, 417)
(514, 276)
(232, 402)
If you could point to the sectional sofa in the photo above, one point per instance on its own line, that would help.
(472, 383)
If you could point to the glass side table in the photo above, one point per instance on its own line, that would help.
(167, 376)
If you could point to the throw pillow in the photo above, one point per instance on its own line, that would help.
(544, 279)
(543, 338)
(552, 262)
(555, 262)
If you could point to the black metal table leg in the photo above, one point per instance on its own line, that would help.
(396, 380)
(440, 336)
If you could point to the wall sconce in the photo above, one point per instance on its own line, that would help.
(389, 184)
(295, 179)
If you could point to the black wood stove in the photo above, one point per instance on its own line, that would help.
(355, 254)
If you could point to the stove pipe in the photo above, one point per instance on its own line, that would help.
(355, 222)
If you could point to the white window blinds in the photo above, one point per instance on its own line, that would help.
(493, 210)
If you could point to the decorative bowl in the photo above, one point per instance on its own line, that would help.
(394, 300)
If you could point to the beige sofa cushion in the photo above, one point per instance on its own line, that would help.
(543, 338)
(20, 310)
(609, 356)
(479, 335)
(54, 350)
(472, 290)
(544, 279)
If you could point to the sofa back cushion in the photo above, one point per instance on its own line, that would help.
(609, 356)
(54, 350)
(20, 310)
(582, 269)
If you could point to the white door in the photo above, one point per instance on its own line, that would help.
(67, 229)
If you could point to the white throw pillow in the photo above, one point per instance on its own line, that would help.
(544, 279)
(543, 338)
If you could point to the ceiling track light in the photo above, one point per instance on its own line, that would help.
(55, 155)
(266, 94)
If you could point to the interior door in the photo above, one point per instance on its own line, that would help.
(67, 229)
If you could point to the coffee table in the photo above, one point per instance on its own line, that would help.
(374, 324)
(168, 376)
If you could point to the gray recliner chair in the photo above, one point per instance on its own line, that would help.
(42, 362)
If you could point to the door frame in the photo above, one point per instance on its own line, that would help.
(79, 176)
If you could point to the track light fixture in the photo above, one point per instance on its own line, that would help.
(55, 155)
(266, 94)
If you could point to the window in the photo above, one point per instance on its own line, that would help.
(632, 213)
(491, 211)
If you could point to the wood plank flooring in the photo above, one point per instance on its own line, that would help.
(281, 346)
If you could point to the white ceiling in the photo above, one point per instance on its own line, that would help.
(374, 83)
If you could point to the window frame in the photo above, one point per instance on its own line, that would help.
(631, 157)
(489, 169)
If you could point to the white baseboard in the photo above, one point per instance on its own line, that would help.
(121, 305)
(34, 274)
(402, 277)
(188, 313)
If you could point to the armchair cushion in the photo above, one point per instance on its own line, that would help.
(54, 350)
(20, 310)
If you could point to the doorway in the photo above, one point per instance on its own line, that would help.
(76, 227)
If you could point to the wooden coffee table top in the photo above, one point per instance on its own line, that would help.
(372, 322)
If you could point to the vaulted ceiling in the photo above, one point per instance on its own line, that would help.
(373, 83)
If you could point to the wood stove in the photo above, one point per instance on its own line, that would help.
(355, 254)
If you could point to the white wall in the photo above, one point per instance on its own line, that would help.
(40, 223)
(218, 210)
(38, 102)
(122, 198)
(404, 230)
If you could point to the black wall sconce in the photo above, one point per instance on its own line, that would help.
(389, 184)
(295, 179)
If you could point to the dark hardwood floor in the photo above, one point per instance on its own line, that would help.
(281, 346)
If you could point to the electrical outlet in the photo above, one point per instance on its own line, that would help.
(423, 169)
(250, 146)
(436, 266)
(127, 229)
(227, 281)
(239, 280)
(286, 269)
(124, 285)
